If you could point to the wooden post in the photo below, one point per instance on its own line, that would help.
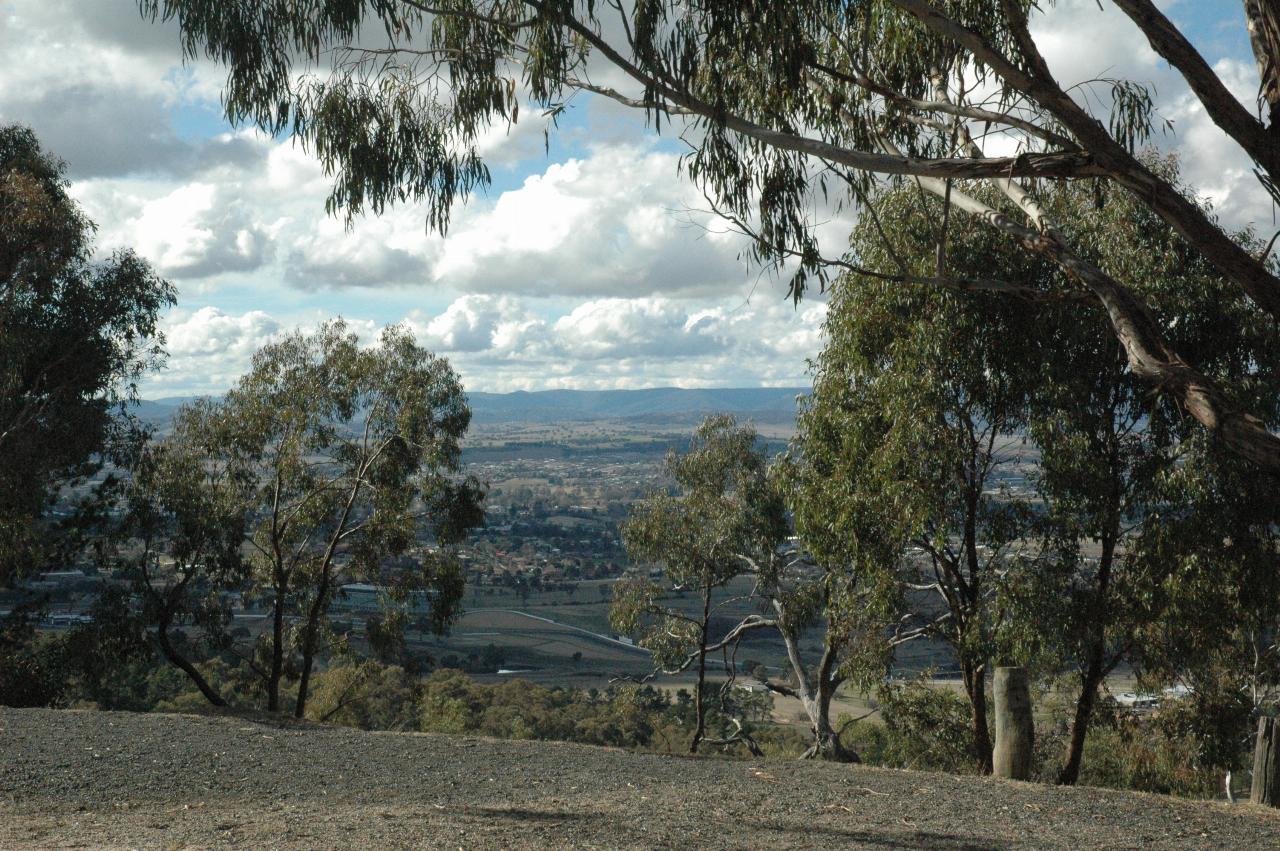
(1015, 727)
(1266, 764)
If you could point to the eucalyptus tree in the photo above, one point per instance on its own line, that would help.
(782, 103)
(185, 515)
(909, 437)
(76, 334)
(1070, 597)
(723, 509)
(1107, 446)
(844, 596)
(351, 452)
(1207, 551)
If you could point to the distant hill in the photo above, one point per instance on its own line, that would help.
(658, 404)
(159, 411)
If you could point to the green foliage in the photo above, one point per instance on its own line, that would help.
(185, 520)
(451, 702)
(1144, 755)
(638, 717)
(31, 668)
(404, 120)
(109, 661)
(723, 509)
(919, 392)
(925, 727)
(723, 519)
(365, 694)
(344, 450)
(785, 107)
(75, 336)
(1208, 557)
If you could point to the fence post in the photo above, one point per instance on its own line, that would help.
(1266, 764)
(1015, 726)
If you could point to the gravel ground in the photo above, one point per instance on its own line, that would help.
(120, 780)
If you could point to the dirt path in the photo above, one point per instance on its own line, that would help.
(116, 780)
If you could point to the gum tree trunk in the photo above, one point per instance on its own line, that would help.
(815, 694)
(699, 710)
(1096, 669)
(184, 664)
(974, 677)
(277, 648)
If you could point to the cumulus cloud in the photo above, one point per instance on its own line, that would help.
(499, 343)
(645, 342)
(596, 270)
(479, 323)
(209, 349)
(1084, 42)
(98, 84)
(618, 221)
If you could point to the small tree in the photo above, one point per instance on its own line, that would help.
(350, 453)
(905, 441)
(723, 507)
(799, 594)
(188, 509)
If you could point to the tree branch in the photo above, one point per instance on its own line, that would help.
(1115, 161)
(1221, 106)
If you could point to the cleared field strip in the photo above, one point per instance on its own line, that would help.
(541, 627)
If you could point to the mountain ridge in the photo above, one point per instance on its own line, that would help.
(537, 406)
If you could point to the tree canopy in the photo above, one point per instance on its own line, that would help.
(1000, 462)
(722, 519)
(346, 461)
(75, 336)
(782, 103)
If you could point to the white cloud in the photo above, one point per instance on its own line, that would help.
(616, 222)
(478, 323)
(98, 84)
(209, 349)
(595, 270)
(498, 343)
(1083, 42)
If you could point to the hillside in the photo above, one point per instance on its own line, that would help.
(113, 780)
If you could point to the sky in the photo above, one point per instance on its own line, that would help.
(587, 264)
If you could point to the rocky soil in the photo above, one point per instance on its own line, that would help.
(119, 780)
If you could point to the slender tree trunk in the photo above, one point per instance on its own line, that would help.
(321, 601)
(1090, 680)
(699, 711)
(165, 605)
(277, 647)
(1094, 671)
(171, 653)
(974, 671)
(309, 643)
(975, 685)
